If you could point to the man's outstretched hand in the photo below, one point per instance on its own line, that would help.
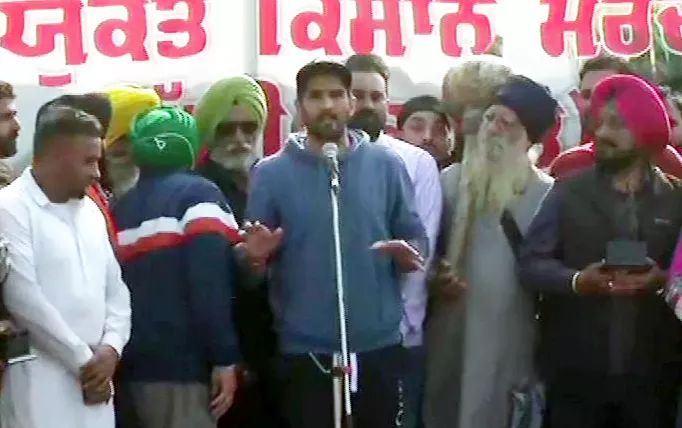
(404, 255)
(259, 243)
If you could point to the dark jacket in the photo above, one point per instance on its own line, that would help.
(571, 231)
(251, 309)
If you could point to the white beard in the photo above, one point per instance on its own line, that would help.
(494, 174)
(230, 161)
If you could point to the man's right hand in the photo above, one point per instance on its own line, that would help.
(259, 242)
(99, 394)
(593, 280)
(443, 281)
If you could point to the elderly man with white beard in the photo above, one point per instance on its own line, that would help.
(481, 344)
(231, 116)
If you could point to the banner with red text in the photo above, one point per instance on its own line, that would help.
(48, 47)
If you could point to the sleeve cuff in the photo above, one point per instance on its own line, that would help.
(114, 340)
(574, 282)
(227, 357)
(83, 355)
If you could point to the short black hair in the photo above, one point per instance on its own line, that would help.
(63, 121)
(321, 68)
(369, 63)
(6, 91)
(604, 63)
(417, 104)
(94, 103)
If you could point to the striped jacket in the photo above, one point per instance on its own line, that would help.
(175, 245)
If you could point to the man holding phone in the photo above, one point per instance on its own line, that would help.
(597, 251)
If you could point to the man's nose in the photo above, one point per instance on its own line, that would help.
(327, 103)
(240, 136)
(17, 124)
(428, 136)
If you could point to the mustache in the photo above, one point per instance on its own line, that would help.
(327, 115)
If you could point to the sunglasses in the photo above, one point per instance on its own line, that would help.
(230, 128)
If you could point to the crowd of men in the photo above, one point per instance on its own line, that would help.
(168, 277)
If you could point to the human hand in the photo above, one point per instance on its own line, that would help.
(259, 242)
(593, 280)
(631, 284)
(100, 369)
(223, 388)
(404, 255)
(98, 394)
(443, 281)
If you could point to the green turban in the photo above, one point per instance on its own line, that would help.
(217, 103)
(165, 138)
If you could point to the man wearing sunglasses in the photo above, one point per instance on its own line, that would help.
(231, 117)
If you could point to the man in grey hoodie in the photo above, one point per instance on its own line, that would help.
(291, 235)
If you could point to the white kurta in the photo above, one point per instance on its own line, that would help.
(65, 288)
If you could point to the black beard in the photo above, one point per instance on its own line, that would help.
(619, 163)
(369, 121)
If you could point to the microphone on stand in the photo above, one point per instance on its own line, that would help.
(331, 154)
(343, 413)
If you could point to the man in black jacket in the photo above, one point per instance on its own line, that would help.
(609, 344)
(231, 117)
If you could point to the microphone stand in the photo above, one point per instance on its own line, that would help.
(341, 369)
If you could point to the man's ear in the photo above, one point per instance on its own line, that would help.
(353, 103)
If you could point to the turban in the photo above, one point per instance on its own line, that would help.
(126, 103)
(473, 84)
(217, 103)
(641, 107)
(165, 138)
(533, 104)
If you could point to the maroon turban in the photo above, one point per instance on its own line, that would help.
(642, 108)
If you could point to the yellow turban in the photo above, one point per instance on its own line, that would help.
(127, 102)
(218, 102)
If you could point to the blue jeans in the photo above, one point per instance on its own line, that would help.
(414, 374)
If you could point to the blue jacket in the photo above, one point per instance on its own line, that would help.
(176, 234)
(291, 190)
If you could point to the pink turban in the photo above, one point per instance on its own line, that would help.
(641, 106)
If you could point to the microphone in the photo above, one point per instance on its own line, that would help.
(331, 154)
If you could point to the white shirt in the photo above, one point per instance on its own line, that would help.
(65, 288)
(423, 172)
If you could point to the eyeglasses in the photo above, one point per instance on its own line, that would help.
(230, 128)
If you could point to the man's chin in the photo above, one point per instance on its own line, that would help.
(8, 149)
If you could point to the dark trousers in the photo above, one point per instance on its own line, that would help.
(414, 374)
(308, 400)
(611, 402)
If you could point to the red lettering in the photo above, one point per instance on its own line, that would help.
(422, 17)
(364, 26)
(269, 27)
(134, 28)
(171, 93)
(192, 26)
(275, 126)
(329, 22)
(639, 40)
(553, 31)
(70, 28)
(466, 15)
(669, 20)
(55, 81)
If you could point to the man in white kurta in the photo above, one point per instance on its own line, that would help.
(65, 288)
